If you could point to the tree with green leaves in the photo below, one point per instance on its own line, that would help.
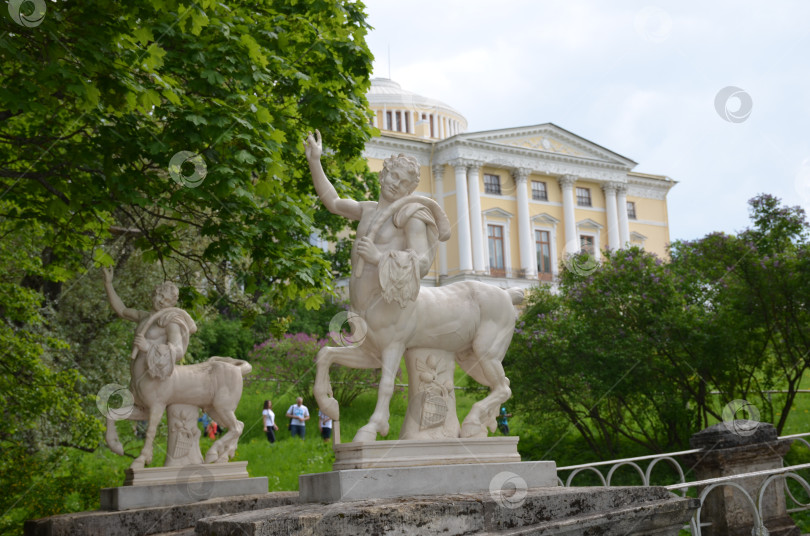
(643, 352)
(180, 125)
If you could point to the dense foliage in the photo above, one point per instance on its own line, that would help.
(646, 352)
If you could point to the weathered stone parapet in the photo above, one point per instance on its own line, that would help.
(625, 511)
(732, 450)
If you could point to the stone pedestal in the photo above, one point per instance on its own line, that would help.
(394, 482)
(165, 486)
(416, 452)
(413, 467)
(732, 450)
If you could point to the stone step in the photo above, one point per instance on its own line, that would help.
(155, 520)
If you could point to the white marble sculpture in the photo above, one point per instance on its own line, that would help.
(158, 382)
(469, 323)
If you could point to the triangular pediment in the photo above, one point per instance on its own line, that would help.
(589, 224)
(637, 237)
(551, 139)
(546, 219)
(497, 213)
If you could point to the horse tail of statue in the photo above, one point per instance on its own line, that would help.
(516, 294)
(111, 437)
(244, 366)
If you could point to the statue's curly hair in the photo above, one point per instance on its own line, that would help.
(168, 290)
(404, 162)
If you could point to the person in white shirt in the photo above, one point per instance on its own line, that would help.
(298, 415)
(269, 421)
(324, 425)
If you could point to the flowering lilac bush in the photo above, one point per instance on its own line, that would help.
(290, 360)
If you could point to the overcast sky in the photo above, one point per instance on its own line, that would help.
(641, 79)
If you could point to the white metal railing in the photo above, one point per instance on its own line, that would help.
(695, 527)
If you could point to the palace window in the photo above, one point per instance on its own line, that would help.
(542, 243)
(631, 210)
(388, 121)
(586, 245)
(399, 121)
(496, 260)
(584, 197)
(492, 184)
(539, 192)
(432, 129)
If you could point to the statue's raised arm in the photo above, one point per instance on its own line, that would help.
(348, 208)
(116, 303)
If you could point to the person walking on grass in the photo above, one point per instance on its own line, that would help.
(269, 421)
(298, 415)
(503, 421)
(325, 426)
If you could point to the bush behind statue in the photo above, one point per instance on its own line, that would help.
(290, 361)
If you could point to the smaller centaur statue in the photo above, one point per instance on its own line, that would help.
(158, 382)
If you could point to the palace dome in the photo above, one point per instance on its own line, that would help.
(402, 111)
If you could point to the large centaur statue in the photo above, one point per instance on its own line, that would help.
(396, 243)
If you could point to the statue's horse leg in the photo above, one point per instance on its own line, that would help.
(483, 363)
(222, 411)
(378, 424)
(135, 413)
(224, 448)
(155, 414)
(349, 356)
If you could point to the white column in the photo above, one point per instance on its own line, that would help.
(624, 225)
(411, 126)
(528, 262)
(569, 220)
(438, 181)
(476, 224)
(465, 263)
(612, 218)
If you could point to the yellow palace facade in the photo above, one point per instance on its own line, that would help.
(520, 199)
